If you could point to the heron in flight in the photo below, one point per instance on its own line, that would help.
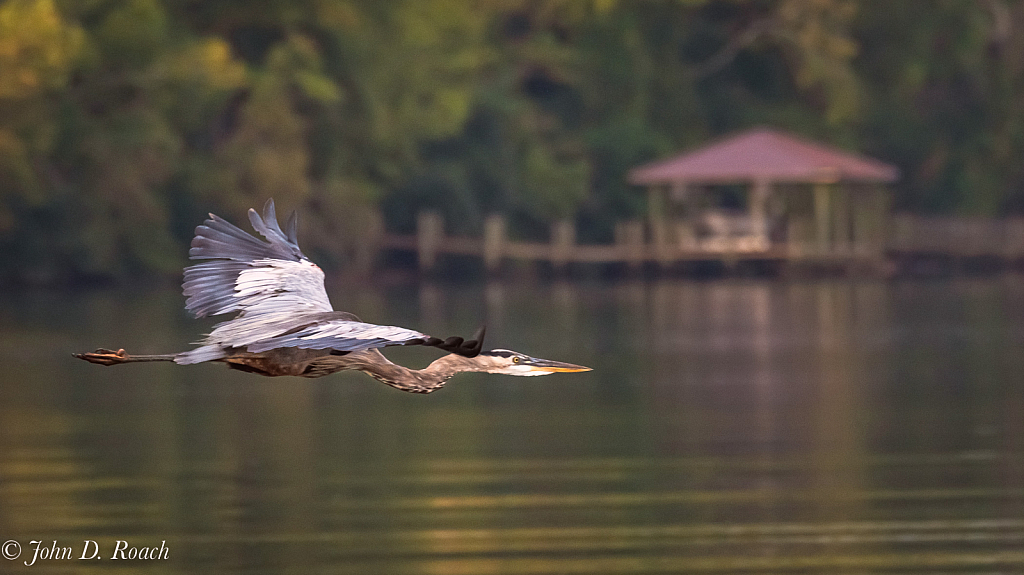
(285, 325)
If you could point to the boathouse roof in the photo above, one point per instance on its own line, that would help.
(764, 154)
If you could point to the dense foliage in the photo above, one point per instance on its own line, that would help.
(123, 121)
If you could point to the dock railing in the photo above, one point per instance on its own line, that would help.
(957, 236)
(637, 243)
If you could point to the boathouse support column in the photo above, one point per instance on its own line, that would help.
(758, 205)
(685, 235)
(661, 225)
(822, 218)
(841, 218)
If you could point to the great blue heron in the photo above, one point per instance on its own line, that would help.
(285, 324)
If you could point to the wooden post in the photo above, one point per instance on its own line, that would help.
(494, 242)
(563, 236)
(657, 216)
(758, 205)
(822, 217)
(429, 235)
(682, 229)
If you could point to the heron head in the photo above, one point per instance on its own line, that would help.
(515, 363)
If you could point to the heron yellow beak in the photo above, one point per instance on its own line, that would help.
(550, 366)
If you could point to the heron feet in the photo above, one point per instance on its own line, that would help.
(104, 356)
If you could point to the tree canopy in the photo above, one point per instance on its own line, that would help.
(123, 121)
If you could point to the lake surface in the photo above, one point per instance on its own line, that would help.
(757, 426)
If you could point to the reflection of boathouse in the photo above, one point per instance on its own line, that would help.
(764, 192)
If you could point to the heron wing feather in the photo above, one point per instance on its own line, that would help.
(219, 238)
(342, 335)
(339, 331)
(269, 286)
(250, 276)
(278, 293)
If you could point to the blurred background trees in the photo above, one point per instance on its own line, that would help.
(123, 121)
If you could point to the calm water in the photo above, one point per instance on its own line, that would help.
(749, 426)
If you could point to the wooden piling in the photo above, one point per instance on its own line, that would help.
(841, 220)
(871, 234)
(563, 237)
(758, 207)
(494, 242)
(823, 217)
(661, 242)
(429, 233)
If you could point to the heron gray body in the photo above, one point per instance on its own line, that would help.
(285, 324)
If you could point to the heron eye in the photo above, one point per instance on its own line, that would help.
(515, 360)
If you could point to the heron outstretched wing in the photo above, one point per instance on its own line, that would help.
(251, 276)
(278, 295)
(338, 331)
(342, 335)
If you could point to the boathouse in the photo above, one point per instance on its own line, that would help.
(766, 193)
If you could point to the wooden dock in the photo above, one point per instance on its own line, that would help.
(958, 237)
(905, 238)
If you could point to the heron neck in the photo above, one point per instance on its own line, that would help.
(426, 380)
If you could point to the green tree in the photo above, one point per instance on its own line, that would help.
(946, 85)
(123, 121)
(38, 49)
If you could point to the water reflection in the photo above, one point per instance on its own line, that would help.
(758, 426)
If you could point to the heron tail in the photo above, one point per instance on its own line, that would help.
(199, 355)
